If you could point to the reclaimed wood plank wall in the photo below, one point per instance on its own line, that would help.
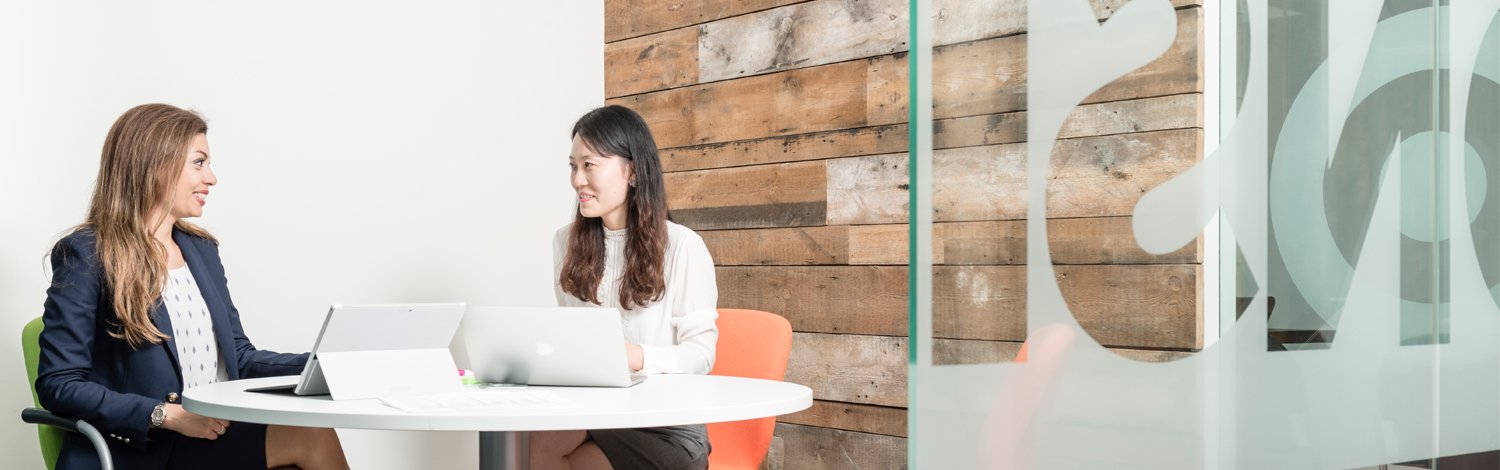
(783, 128)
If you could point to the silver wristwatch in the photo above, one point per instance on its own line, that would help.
(158, 415)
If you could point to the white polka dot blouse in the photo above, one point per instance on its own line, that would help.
(193, 330)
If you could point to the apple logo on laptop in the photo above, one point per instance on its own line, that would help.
(545, 349)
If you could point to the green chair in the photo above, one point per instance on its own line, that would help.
(50, 433)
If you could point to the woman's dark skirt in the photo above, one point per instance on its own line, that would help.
(664, 448)
(243, 446)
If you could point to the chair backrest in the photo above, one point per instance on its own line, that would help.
(50, 438)
(751, 344)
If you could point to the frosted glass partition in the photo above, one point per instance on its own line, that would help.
(1226, 234)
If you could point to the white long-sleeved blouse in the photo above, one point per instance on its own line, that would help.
(676, 333)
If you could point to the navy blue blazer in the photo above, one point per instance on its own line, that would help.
(84, 372)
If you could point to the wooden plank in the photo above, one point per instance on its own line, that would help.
(1105, 176)
(630, 18)
(1090, 120)
(850, 368)
(879, 244)
(979, 302)
(778, 195)
(803, 246)
(1151, 355)
(801, 35)
(1134, 306)
(1136, 115)
(953, 243)
(1179, 70)
(649, 63)
(976, 78)
(959, 21)
(980, 183)
(868, 190)
(1108, 240)
(1130, 306)
(822, 98)
(827, 299)
(792, 214)
(670, 114)
(747, 186)
(797, 447)
(987, 129)
(852, 417)
(1082, 241)
(886, 89)
(982, 243)
(964, 351)
(751, 107)
(1092, 240)
(1103, 9)
(778, 246)
(812, 146)
(949, 352)
(989, 76)
(1090, 177)
(1116, 117)
(967, 20)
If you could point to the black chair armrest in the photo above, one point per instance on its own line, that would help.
(41, 416)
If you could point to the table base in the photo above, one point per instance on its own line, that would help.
(507, 450)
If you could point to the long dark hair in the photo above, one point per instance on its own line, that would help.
(618, 131)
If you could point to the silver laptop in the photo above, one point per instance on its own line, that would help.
(572, 346)
(371, 350)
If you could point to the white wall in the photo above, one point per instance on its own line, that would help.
(367, 152)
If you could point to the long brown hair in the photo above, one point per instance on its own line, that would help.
(616, 130)
(142, 159)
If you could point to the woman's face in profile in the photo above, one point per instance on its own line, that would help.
(602, 183)
(191, 191)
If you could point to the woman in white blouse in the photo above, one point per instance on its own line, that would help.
(621, 251)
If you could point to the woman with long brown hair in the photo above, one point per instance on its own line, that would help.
(621, 251)
(139, 310)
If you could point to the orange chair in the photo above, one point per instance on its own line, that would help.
(752, 344)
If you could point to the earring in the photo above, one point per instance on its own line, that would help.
(632, 184)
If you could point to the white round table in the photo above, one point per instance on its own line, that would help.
(662, 400)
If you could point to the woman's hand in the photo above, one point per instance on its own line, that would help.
(191, 425)
(635, 357)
